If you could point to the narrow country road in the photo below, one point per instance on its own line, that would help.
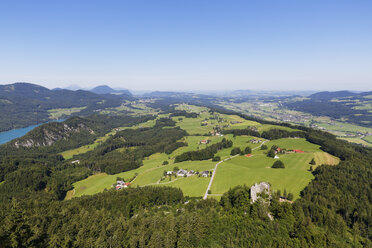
(215, 170)
(213, 174)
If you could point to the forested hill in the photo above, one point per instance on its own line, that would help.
(104, 89)
(74, 132)
(24, 104)
(327, 95)
(50, 133)
(348, 106)
(334, 209)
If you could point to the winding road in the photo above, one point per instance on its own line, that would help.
(215, 169)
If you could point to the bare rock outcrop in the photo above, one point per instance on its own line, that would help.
(260, 189)
(48, 134)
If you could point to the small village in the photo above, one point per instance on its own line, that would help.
(285, 151)
(120, 184)
(185, 173)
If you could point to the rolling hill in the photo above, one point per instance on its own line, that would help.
(24, 104)
(341, 105)
(104, 89)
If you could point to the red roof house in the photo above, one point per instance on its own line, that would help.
(298, 151)
(248, 155)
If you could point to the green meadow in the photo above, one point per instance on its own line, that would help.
(194, 125)
(357, 141)
(325, 158)
(236, 171)
(294, 144)
(368, 139)
(239, 170)
(242, 170)
(56, 114)
(193, 186)
(69, 154)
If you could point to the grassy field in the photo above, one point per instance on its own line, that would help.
(357, 141)
(325, 158)
(293, 144)
(58, 113)
(242, 123)
(193, 125)
(148, 174)
(193, 143)
(265, 127)
(293, 178)
(83, 149)
(192, 108)
(368, 138)
(343, 127)
(237, 171)
(238, 141)
(153, 176)
(242, 170)
(191, 186)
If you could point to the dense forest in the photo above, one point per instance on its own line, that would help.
(37, 168)
(335, 209)
(137, 144)
(204, 154)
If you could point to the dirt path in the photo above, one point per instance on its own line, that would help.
(215, 170)
(214, 173)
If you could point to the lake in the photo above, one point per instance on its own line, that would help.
(16, 133)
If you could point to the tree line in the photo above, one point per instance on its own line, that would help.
(204, 154)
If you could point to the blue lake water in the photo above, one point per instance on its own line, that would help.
(16, 133)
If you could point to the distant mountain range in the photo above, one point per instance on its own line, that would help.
(326, 95)
(101, 89)
(24, 104)
(104, 89)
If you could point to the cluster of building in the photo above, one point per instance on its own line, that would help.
(235, 122)
(120, 184)
(255, 141)
(216, 133)
(183, 173)
(284, 151)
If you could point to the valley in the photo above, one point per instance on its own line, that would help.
(166, 156)
(186, 124)
(237, 171)
(276, 109)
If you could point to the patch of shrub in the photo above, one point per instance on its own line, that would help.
(278, 164)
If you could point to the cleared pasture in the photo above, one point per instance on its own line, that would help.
(242, 170)
(325, 158)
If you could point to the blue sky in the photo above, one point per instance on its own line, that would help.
(188, 45)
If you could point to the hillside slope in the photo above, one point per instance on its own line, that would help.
(343, 105)
(104, 89)
(24, 104)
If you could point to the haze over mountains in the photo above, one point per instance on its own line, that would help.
(23, 104)
(111, 136)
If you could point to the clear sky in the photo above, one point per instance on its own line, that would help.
(188, 45)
